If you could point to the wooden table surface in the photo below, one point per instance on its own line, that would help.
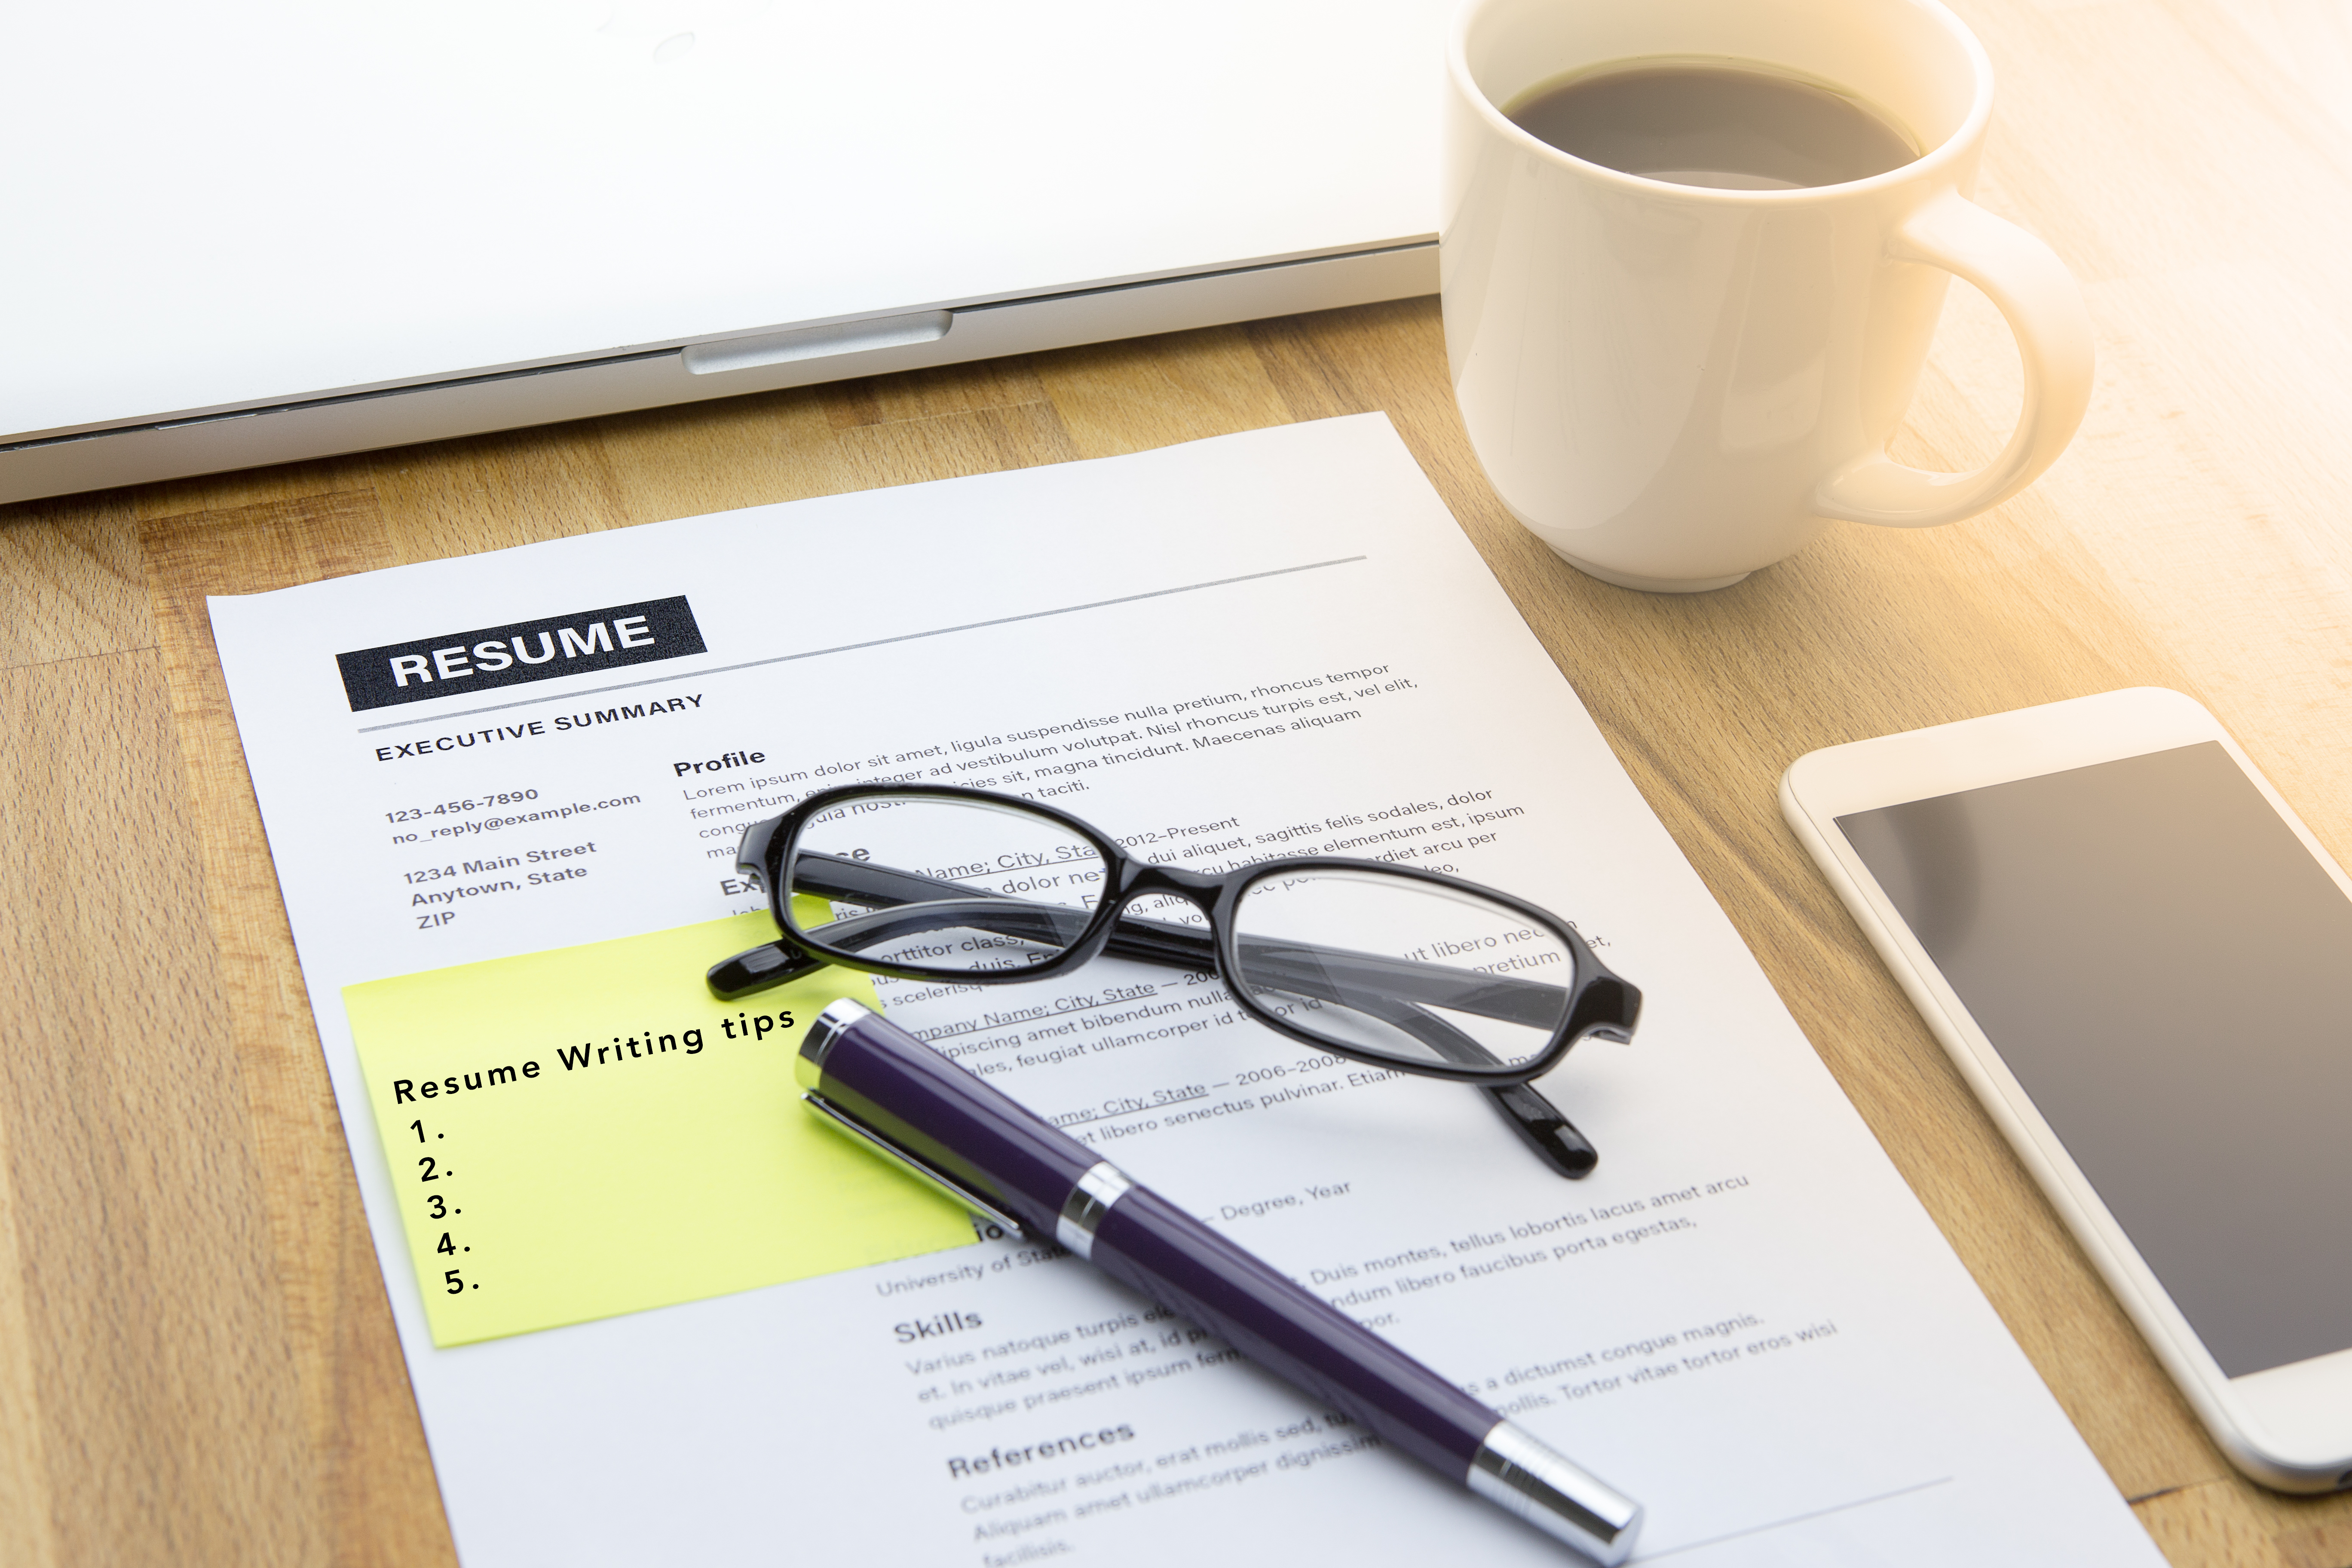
(196, 1362)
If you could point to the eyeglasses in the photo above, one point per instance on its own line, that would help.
(1389, 965)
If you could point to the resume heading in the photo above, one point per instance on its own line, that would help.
(575, 644)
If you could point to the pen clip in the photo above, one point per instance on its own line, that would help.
(915, 1166)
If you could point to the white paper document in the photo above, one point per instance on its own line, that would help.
(1267, 644)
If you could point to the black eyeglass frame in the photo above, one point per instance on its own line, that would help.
(1602, 1004)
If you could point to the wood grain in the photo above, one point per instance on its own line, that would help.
(159, 1403)
(196, 1358)
(369, 1489)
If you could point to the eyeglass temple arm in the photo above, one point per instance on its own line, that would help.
(776, 962)
(1608, 1009)
(862, 881)
(1045, 924)
(1538, 1122)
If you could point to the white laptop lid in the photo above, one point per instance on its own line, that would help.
(221, 208)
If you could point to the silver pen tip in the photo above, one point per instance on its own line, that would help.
(1515, 1471)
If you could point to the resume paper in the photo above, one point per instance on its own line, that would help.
(744, 1351)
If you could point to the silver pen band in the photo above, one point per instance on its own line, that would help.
(1516, 1472)
(1082, 1211)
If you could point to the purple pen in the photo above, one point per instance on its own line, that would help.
(882, 1084)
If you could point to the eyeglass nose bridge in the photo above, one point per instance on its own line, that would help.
(1139, 879)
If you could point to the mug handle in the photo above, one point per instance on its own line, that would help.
(2044, 307)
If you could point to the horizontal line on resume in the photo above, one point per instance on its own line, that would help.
(1794, 1519)
(853, 647)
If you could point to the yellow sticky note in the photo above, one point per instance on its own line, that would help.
(583, 1132)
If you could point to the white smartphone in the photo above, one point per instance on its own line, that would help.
(2142, 962)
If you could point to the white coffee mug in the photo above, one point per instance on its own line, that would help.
(1673, 386)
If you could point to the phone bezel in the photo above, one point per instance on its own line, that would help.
(2290, 1426)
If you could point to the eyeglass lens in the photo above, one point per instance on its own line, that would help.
(1030, 883)
(1377, 963)
(1394, 966)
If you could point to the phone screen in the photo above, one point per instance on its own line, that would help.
(2168, 973)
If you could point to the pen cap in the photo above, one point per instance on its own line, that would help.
(933, 1109)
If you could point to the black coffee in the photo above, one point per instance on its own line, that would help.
(1735, 129)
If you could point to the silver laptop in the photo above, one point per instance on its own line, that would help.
(246, 235)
